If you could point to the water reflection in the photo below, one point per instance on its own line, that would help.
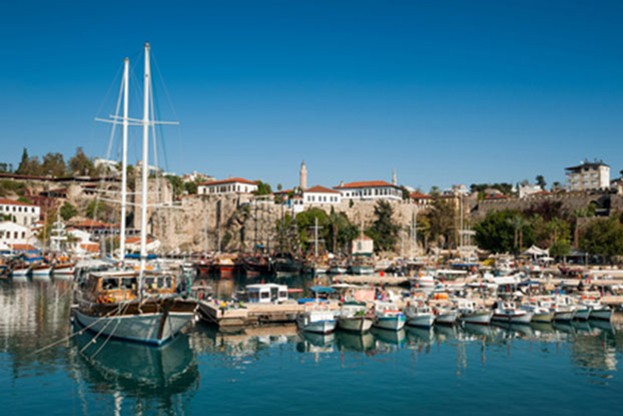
(138, 379)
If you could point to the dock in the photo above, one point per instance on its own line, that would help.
(251, 314)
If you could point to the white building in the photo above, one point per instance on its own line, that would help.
(588, 176)
(527, 190)
(227, 186)
(363, 245)
(319, 195)
(369, 190)
(12, 233)
(19, 212)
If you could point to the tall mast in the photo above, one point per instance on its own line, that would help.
(145, 163)
(124, 160)
(316, 238)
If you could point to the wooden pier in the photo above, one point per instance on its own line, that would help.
(251, 314)
(373, 279)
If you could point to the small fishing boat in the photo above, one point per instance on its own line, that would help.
(65, 269)
(541, 311)
(445, 316)
(509, 312)
(354, 317)
(474, 314)
(563, 309)
(388, 316)
(317, 319)
(419, 315)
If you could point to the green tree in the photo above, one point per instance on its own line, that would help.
(263, 188)
(603, 237)
(498, 232)
(176, 185)
(305, 221)
(341, 232)
(53, 165)
(68, 211)
(80, 164)
(540, 181)
(441, 222)
(384, 231)
(191, 188)
(22, 168)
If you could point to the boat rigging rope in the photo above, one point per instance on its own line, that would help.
(73, 334)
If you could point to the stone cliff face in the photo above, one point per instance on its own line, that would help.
(205, 223)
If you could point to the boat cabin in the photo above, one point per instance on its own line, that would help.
(267, 293)
(118, 286)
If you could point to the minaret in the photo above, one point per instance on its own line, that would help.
(394, 178)
(303, 176)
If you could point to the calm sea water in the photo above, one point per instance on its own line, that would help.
(561, 369)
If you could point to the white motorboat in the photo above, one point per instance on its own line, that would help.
(540, 310)
(317, 319)
(354, 317)
(41, 270)
(446, 316)
(563, 308)
(388, 316)
(509, 312)
(474, 314)
(419, 315)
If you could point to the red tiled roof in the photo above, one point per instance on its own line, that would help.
(321, 190)
(365, 184)
(419, 195)
(137, 240)
(228, 180)
(90, 247)
(23, 247)
(5, 201)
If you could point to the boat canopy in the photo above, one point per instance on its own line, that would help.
(322, 289)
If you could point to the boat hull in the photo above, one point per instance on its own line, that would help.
(358, 324)
(46, 271)
(521, 318)
(478, 318)
(448, 318)
(423, 320)
(545, 317)
(582, 314)
(149, 328)
(392, 323)
(601, 314)
(319, 322)
(564, 315)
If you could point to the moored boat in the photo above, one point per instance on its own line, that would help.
(445, 316)
(419, 315)
(473, 314)
(509, 312)
(317, 319)
(354, 317)
(388, 316)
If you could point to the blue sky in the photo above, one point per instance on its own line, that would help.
(444, 92)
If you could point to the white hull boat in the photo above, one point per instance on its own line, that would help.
(479, 317)
(319, 322)
(362, 270)
(359, 324)
(393, 320)
(149, 328)
(420, 315)
(446, 317)
(509, 313)
(42, 272)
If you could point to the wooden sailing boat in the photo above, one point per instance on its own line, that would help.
(133, 305)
